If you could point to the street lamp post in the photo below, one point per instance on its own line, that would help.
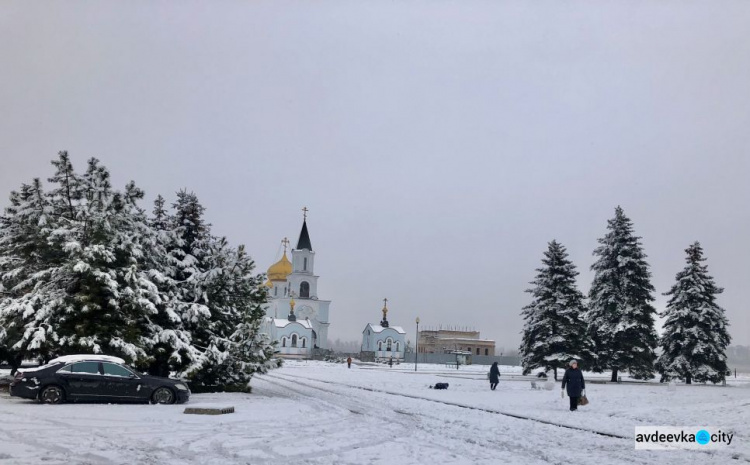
(416, 347)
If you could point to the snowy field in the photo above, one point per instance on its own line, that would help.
(321, 413)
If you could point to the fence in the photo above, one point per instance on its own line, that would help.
(451, 358)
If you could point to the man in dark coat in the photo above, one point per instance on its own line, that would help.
(573, 379)
(494, 376)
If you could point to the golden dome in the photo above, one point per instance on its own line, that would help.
(280, 270)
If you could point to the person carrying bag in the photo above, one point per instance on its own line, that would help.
(573, 380)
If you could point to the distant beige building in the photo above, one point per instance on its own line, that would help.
(439, 341)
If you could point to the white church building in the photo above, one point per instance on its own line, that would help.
(383, 341)
(295, 317)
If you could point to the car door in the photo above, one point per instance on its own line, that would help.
(121, 382)
(84, 380)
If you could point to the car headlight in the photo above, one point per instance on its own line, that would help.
(181, 387)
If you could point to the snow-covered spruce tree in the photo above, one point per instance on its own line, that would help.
(105, 237)
(218, 299)
(29, 276)
(554, 331)
(76, 281)
(235, 347)
(188, 256)
(695, 338)
(620, 315)
(171, 346)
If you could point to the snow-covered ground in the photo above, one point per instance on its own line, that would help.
(320, 413)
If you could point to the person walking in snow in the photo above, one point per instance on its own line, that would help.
(349, 362)
(494, 376)
(390, 362)
(573, 379)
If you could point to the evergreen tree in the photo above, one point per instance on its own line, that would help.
(83, 270)
(29, 281)
(695, 338)
(219, 301)
(72, 261)
(620, 316)
(172, 348)
(554, 332)
(161, 219)
(235, 347)
(104, 236)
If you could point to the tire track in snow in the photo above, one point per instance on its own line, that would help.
(406, 422)
(466, 406)
(733, 456)
(477, 444)
(469, 433)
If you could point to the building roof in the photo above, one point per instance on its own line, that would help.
(380, 329)
(283, 323)
(304, 238)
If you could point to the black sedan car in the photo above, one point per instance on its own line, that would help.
(92, 378)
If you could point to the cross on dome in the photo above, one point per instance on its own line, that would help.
(384, 323)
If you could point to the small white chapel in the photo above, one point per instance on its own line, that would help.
(383, 341)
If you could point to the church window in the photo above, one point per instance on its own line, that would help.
(304, 264)
(275, 291)
(304, 289)
(303, 342)
(396, 346)
(388, 345)
(283, 342)
(380, 345)
(294, 340)
(486, 352)
(477, 350)
(468, 349)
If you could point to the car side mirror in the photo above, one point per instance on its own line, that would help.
(132, 376)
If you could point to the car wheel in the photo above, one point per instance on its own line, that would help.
(52, 395)
(163, 396)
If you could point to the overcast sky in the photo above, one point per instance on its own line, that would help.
(439, 145)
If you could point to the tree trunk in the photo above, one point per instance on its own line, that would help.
(614, 375)
(555, 373)
(688, 379)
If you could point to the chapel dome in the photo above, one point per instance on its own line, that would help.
(280, 270)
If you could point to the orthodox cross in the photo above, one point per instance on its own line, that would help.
(285, 242)
(385, 307)
(304, 213)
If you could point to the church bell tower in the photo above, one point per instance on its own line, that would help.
(303, 281)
